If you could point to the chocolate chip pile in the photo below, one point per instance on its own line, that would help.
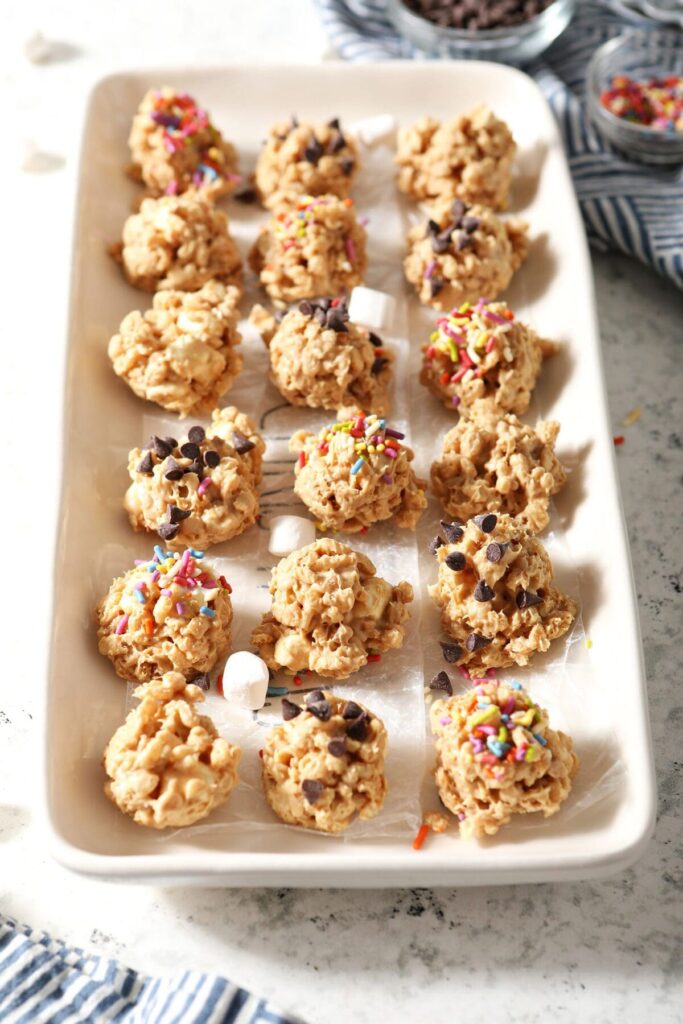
(315, 148)
(317, 704)
(457, 232)
(332, 314)
(477, 15)
(178, 460)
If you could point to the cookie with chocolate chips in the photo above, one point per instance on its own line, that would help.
(306, 158)
(201, 489)
(324, 765)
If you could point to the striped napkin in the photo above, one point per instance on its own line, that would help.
(43, 981)
(626, 206)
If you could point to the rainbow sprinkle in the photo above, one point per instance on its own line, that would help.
(291, 225)
(656, 103)
(184, 124)
(500, 722)
(169, 584)
(465, 337)
(373, 442)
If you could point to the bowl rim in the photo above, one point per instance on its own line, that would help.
(485, 35)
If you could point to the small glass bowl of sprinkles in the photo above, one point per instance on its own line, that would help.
(510, 33)
(635, 95)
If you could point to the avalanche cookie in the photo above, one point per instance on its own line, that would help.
(182, 353)
(201, 490)
(330, 612)
(496, 756)
(168, 613)
(167, 765)
(325, 764)
(175, 147)
(357, 472)
(483, 352)
(496, 595)
(178, 242)
(309, 159)
(468, 158)
(318, 358)
(494, 463)
(462, 253)
(312, 246)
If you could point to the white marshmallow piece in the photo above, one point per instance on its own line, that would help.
(245, 680)
(289, 533)
(371, 308)
(371, 130)
(38, 49)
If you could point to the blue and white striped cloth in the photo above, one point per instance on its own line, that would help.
(626, 206)
(43, 981)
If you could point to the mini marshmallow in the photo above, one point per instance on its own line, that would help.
(288, 533)
(371, 308)
(371, 130)
(38, 49)
(245, 680)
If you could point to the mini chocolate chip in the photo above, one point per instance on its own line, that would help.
(455, 561)
(334, 123)
(441, 243)
(347, 164)
(306, 308)
(241, 444)
(470, 224)
(172, 441)
(315, 695)
(494, 552)
(358, 728)
(375, 339)
(211, 458)
(442, 682)
(483, 592)
(279, 315)
(201, 680)
(334, 320)
(475, 642)
(462, 241)
(320, 315)
(312, 789)
(322, 709)
(289, 709)
(453, 531)
(352, 710)
(246, 195)
(336, 143)
(451, 652)
(527, 599)
(147, 464)
(436, 543)
(195, 467)
(313, 151)
(486, 522)
(189, 450)
(436, 285)
(324, 304)
(172, 471)
(167, 531)
(432, 228)
(196, 434)
(458, 209)
(162, 448)
(378, 364)
(177, 515)
(337, 747)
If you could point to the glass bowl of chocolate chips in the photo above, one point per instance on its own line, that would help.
(507, 31)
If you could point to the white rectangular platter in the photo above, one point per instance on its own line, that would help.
(598, 694)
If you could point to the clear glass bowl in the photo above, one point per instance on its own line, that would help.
(641, 55)
(517, 45)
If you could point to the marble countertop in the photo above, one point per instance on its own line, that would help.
(594, 951)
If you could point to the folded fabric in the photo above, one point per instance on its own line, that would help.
(626, 206)
(43, 981)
